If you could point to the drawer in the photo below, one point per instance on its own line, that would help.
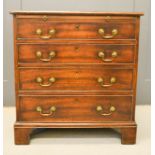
(76, 28)
(90, 78)
(47, 54)
(75, 108)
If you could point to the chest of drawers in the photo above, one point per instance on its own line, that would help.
(75, 70)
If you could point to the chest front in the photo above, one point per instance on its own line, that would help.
(75, 70)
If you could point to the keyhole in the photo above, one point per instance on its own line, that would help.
(76, 74)
(77, 27)
(76, 101)
(76, 49)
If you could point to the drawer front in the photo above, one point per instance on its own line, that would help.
(76, 108)
(75, 53)
(76, 78)
(85, 28)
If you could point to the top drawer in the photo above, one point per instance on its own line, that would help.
(75, 27)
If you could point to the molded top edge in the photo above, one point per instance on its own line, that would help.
(78, 13)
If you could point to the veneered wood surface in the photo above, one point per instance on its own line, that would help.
(22, 135)
(76, 108)
(74, 53)
(67, 29)
(128, 135)
(76, 67)
(77, 78)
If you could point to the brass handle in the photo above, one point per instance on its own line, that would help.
(101, 81)
(101, 55)
(50, 81)
(114, 54)
(52, 54)
(114, 32)
(100, 109)
(51, 33)
(51, 110)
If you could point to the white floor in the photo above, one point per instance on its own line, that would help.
(79, 141)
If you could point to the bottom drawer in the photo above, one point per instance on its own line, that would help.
(75, 108)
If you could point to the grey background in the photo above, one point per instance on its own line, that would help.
(144, 73)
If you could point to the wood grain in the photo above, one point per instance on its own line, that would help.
(76, 108)
(76, 68)
(67, 29)
(77, 78)
(74, 53)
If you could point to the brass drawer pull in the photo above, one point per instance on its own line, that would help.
(101, 55)
(52, 54)
(101, 81)
(51, 111)
(114, 32)
(51, 33)
(50, 81)
(100, 109)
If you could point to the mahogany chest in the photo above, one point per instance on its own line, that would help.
(75, 70)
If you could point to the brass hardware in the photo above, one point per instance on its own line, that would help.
(45, 18)
(111, 110)
(45, 37)
(101, 31)
(108, 17)
(107, 60)
(114, 54)
(38, 54)
(52, 54)
(101, 81)
(51, 33)
(101, 55)
(51, 110)
(38, 31)
(114, 32)
(112, 80)
(39, 80)
(99, 108)
(50, 81)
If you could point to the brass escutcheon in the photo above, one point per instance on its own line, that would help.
(108, 17)
(45, 18)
